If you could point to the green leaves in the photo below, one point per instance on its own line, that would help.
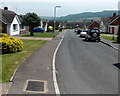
(31, 19)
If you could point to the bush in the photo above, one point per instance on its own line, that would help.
(10, 44)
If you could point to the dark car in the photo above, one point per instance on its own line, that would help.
(38, 30)
(78, 31)
(93, 34)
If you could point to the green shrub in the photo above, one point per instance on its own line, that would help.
(10, 44)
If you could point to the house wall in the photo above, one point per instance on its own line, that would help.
(12, 31)
(46, 26)
(113, 28)
(4, 28)
(8, 29)
(102, 27)
(23, 30)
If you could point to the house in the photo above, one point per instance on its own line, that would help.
(10, 22)
(104, 24)
(44, 24)
(76, 24)
(94, 25)
(114, 25)
(23, 28)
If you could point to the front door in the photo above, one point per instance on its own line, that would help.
(113, 30)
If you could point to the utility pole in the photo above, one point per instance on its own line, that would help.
(55, 17)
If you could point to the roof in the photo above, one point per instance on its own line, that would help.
(94, 24)
(7, 16)
(107, 20)
(116, 21)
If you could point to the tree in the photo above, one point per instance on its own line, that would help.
(32, 20)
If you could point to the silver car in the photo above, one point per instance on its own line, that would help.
(83, 33)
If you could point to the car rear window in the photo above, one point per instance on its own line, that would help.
(94, 30)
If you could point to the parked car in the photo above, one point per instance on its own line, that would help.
(78, 31)
(38, 30)
(93, 34)
(83, 33)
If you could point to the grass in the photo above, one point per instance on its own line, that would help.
(46, 34)
(11, 61)
(110, 38)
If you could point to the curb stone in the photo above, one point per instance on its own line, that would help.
(109, 45)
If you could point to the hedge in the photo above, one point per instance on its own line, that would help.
(10, 44)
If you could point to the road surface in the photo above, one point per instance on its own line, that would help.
(86, 67)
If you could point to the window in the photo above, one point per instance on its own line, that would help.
(15, 27)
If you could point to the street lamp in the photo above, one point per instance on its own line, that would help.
(55, 15)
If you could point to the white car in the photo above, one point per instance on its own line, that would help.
(83, 34)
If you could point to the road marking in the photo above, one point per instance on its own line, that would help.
(57, 90)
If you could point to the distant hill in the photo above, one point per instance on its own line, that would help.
(86, 16)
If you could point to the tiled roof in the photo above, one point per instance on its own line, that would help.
(7, 16)
(116, 21)
(107, 20)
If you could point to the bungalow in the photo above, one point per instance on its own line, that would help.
(23, 28)
(104, 24)
(10, 22)
(114, 25)
(44, 24)
(94, 25)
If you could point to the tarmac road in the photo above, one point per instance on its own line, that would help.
(86, 67)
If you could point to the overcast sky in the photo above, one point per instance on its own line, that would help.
(46, 7)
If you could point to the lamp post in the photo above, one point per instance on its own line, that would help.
(55, 15)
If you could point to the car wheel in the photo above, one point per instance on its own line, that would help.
(99, 40)
(86, 39)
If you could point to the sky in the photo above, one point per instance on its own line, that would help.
(46, 7)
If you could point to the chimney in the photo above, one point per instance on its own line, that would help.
(5, 8)
(114, 14)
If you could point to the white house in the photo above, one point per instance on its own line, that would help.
(44, 24)
(104, 24)
(10, 22)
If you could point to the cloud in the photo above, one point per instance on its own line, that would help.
(77, 1)
(27, 0)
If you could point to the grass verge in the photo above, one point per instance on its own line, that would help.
(38, 34)
(110, 38)
(11, 61)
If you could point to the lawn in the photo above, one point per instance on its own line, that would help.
(45, 34)
(110, 38)
(11, 61)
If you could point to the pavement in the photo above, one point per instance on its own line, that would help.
(110, 43)
(36, 67)
(33, 38)
(86, 67)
